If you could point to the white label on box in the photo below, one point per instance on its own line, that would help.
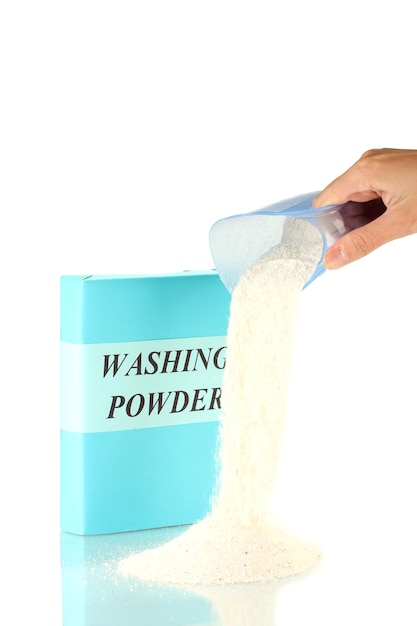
(141, 384)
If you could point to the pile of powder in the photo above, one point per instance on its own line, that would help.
(239, 541)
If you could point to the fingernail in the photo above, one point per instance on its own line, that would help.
(335, 258)
(317, 201)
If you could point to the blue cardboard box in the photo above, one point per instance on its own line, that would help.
(142, 361)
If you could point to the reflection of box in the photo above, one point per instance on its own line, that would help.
(142, 361)
(93, 592)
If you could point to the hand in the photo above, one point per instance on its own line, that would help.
(385, 183)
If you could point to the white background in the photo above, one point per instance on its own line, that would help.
(127, 128)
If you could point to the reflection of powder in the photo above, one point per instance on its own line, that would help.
(239, 541)
(242, 604)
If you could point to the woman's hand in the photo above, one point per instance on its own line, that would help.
(388, 177)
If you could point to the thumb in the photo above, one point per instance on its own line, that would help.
(357, 244)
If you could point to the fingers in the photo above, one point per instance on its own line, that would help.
(389, 175)
(360, 242)
(361, 182)
(354, 185)
(335, 194)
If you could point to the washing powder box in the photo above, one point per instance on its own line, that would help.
(142, 360)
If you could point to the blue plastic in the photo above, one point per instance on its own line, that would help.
(237, 241)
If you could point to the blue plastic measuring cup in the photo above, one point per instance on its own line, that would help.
(237, 241)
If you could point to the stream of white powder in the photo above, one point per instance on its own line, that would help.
(240, 541)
